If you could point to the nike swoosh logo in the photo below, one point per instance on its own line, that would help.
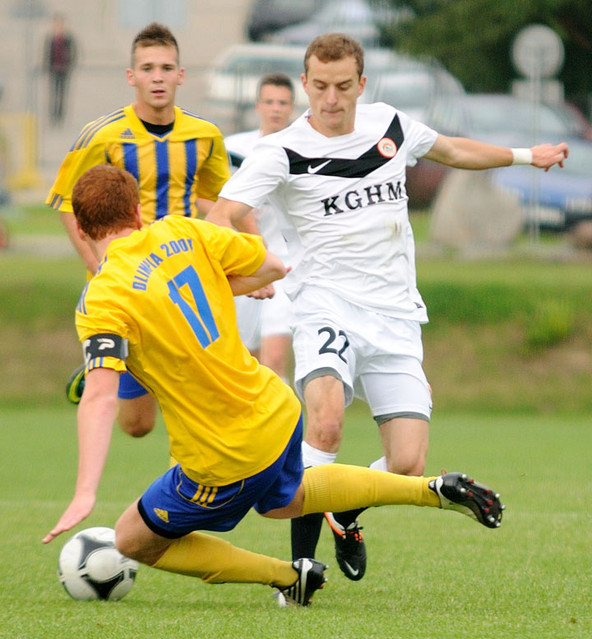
(318, 167)
(352, 571)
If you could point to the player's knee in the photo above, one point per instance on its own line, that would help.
(136, 427)
(127, 544)
(136, 430)
(410, 465)
(325, 435)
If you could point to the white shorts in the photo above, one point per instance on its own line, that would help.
(262, 318)
(248, 318)
(378, 358)
(277, 315)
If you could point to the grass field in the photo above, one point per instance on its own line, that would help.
(431, 574)
(509, 356)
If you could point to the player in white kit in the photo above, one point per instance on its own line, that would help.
(265, 324)
(338, 176)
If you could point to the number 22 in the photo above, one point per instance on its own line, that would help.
(332, 336)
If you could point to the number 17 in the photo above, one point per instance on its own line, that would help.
(202, 322)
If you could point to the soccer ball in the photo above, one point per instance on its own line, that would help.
(90, 567)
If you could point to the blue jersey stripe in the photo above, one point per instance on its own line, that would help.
(81, 306)
(91, 129)
(85, 130)
(190, 172)
(109, 119)
(162, 178)
(130, 159)
(56, 202)
(194, 115)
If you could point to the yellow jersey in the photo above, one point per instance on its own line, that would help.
(172, 170)
(165, 290)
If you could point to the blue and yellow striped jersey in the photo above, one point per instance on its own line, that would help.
(172, 170)
(165, 289)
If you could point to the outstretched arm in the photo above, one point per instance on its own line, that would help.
(240, 216)
(272, 269)
(228, 213)
(89, 259)
(244, 222)
(96, 415)
(463, 153)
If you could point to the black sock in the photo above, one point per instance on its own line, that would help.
(305, 535)
(348, 517)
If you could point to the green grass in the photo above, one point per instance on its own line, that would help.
(31, 220)
(431, 574)
(508, 356)
(505, 334)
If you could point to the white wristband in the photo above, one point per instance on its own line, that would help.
(521, 156)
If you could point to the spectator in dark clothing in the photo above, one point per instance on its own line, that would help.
(59, 61)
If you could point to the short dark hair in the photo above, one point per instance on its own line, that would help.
(154, 35)
(331, 47)
(276, 80)
(104, 200)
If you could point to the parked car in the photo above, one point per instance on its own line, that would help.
(414, 88)
(353, 17)
(231, 84)
(494, 116)
(555, 200)
(559, 199)
(268, 16)
(577, 122)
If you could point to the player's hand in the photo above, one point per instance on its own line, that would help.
(544, 156)
(263, 293)
(78, 510)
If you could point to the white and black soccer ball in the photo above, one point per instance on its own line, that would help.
(90, 567)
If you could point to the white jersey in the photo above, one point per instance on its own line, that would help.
(343, 205)
(239, 146)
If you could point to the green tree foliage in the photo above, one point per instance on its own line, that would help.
(473, 38)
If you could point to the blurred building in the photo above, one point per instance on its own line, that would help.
(104, 30)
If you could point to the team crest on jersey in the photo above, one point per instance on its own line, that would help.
(387, 148)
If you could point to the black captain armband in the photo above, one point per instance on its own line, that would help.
(104, 345)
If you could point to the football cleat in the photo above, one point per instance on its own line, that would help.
(311, 577)
(75, 385)
(350, 549)
(457, 492)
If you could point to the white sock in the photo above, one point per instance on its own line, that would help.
(315, 457)
(379, 464)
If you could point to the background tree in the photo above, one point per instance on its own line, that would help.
(473, 39)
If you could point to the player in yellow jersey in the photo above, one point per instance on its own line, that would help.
(161, 305)
(177, 158)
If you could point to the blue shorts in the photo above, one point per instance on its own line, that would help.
(175, 505)
(130, 387)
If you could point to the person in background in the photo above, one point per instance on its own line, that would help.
(177, 158)
(265, 324)
(161, 305)
(59, 59)
(338, 174)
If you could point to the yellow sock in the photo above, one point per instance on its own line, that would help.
(337, 487)
(217, 561)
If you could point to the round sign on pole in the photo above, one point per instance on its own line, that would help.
(538, 52)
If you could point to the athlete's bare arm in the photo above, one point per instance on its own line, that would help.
(239, 216)
(229, 213)
(463, 153)
(272, 269)
(90, 261)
